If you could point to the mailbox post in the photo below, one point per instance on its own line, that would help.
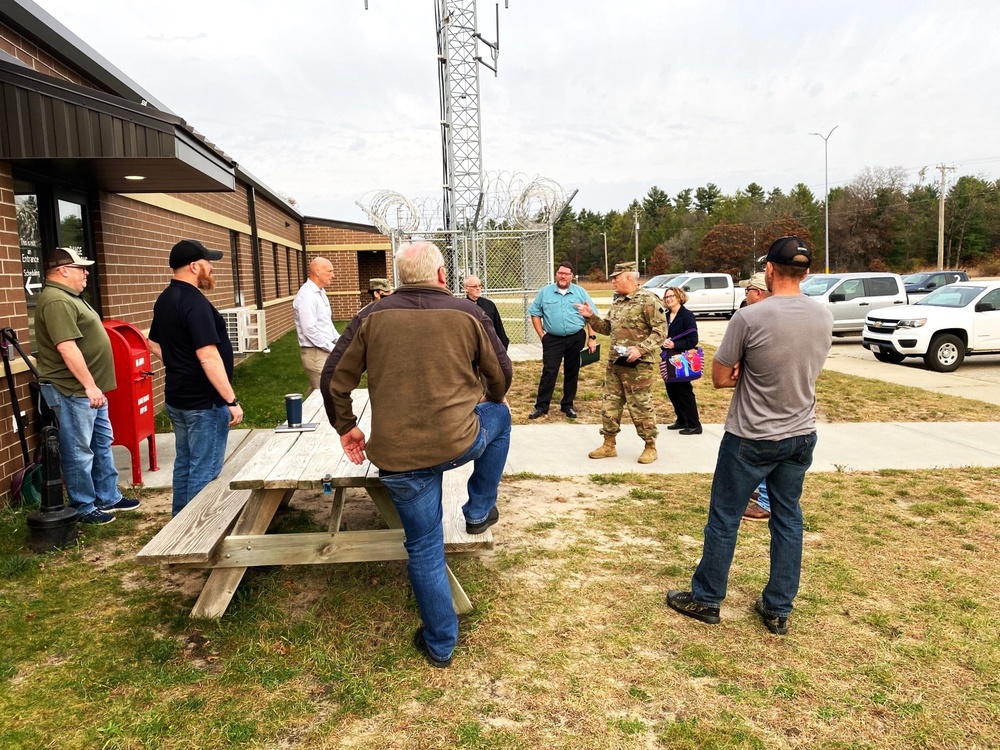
(130, 405)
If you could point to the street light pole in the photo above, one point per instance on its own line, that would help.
(826, 188)
(605, 235)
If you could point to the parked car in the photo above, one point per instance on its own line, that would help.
(921, 284)
(852, 296)
(658, 283)
(944, 327)
(708, 293)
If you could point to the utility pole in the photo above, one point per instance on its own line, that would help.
(636, 240)
(605, 235)
(944, 169)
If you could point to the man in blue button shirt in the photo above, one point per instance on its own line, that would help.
(564, 332)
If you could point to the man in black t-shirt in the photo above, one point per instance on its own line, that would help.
(189, 335)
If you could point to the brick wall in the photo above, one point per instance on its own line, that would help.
(357, 256)
(16, 45)
(230, 205)
(13, 315)
(133, 236)
(133, 248)
(280, 318)
(271, 218)
(134, 241)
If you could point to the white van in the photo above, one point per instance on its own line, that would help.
(851, 296)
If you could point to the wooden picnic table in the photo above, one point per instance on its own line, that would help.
(225, 527)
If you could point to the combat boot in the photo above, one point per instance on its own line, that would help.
(649, 454)
(607, 450)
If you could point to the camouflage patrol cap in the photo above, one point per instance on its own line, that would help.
(379, 285)
(627, 267)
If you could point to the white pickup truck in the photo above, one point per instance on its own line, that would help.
(708, 293)
(944, 327)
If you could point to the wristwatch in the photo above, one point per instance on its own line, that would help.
(593, 338)
(234, 402)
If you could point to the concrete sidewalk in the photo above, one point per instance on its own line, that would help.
(561, 449)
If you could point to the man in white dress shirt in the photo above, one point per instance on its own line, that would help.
(314, 320)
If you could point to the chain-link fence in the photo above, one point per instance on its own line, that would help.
(512, 264)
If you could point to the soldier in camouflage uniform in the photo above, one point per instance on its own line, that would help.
(638, 326)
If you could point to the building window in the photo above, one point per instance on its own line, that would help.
(234, 254)
(274, 262)
(29, 234)
(70, 227)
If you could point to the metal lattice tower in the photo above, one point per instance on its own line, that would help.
(461, 134)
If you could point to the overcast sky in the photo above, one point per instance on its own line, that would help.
(327, 102)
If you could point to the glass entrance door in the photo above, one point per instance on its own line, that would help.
(48, 217)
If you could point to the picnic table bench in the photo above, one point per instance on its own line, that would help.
(224, 528)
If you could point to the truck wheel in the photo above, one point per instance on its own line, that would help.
(890, 357)
(945, 354)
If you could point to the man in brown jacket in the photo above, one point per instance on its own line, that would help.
(437, 379)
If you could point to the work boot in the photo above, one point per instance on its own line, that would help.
(607, 450)
(649, 454)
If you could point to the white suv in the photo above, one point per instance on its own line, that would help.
(851, 296)
(944, 327)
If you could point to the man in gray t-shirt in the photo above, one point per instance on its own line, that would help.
(772, 354)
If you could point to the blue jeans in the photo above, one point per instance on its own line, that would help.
(741, 467)
(200, 443)
(417, 497)
(85, 437)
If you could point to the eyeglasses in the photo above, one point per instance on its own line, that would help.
(669, 296)
(473, 286)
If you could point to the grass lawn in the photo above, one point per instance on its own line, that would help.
(262, 381)
(894, 643)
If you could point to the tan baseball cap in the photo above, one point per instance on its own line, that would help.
(64, 256)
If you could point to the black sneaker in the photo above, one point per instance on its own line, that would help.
(126, 503)
(421, 645)
(97, 517)
(681, 601)
(777, 625)
(478, 528)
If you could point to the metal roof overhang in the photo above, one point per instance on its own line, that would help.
(82, 135)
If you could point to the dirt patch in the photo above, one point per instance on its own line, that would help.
(528, 507)
(530, 504)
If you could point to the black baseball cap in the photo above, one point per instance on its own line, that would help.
(188, 251)
(790, 251)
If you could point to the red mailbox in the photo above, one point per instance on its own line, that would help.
(130, 404)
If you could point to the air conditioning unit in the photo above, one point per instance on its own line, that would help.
(246, 328)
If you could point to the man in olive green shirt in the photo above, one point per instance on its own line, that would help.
(76, 369)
